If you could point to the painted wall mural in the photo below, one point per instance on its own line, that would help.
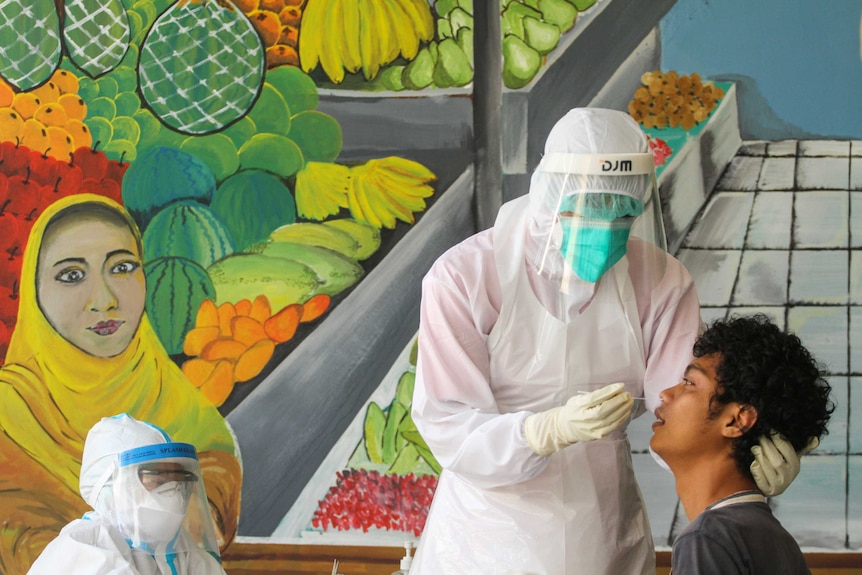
(254, 189)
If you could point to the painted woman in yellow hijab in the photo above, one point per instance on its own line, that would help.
(83, 349)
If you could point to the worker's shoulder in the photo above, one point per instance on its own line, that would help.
(468, 255)
(644, 255)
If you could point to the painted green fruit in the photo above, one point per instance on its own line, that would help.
(558, 12)
(459, 18)
(520, 62)
(367, 236)
(443, 7)
(175, 289)
(419, 73)
(87, 88)
(337, 271)
(407, 461)
(126, 128)
(271, 152)
(246, 276)
(465, 40)
(136, 27)
(392, 440)
(582, 4)
(375, 422)
(102, 107)
(149, 125)
(108, 86)
(513, 18)
(167, 138)
(295, 86)
(127, 103)
(270, 114)
(404, 389)
(390, 78)
(96, 34)
(318, 135)
(215, 150)
(252, 204)
(121, 150)
(444, 29)
(201, 66)
(161, 176)
(317, 235)
(240, 131)
(131, 57)
(187, 229)
(126, 78)
(542, 36)
(452, 67)
(101, 129)
(29, 42)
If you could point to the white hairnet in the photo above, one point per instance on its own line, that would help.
(596, 130)
(106, 439)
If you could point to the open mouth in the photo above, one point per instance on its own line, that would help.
(106, 327)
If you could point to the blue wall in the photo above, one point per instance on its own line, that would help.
(797, 63)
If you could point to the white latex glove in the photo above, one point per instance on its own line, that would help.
(776, 463)
(583, 418)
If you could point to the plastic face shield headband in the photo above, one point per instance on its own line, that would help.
(597, 218)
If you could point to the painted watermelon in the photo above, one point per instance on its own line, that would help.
(252, 204)
(164, 175)
(187, 229)
(175, 289)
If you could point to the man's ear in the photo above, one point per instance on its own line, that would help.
(742, 417)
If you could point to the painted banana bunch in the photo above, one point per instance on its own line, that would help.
(352, 35)
(378, 192)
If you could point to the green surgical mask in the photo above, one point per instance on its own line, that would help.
(593, 249)
(595, 239)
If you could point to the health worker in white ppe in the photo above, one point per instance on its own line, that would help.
(150, 513)
(534, 338)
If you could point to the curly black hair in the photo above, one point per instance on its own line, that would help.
(761, 366)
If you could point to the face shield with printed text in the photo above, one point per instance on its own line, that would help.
(160, 502)
(590, 210)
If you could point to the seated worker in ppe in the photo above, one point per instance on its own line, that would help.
(748, 379)
(534, 337)
(150, 508)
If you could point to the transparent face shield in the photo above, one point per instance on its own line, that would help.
(589, 211)
(160, 503)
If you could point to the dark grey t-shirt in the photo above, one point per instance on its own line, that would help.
(743, 538)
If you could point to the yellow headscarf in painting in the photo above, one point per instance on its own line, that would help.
(52, 393)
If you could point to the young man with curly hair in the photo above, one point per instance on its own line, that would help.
(747, 379)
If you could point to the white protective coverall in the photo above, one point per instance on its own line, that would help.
(499, 341)
(93, 546)
(96, 545)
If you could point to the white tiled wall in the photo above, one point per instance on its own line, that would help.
(781, 234)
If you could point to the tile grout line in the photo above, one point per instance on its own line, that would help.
(849, 355)
(791, 246)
